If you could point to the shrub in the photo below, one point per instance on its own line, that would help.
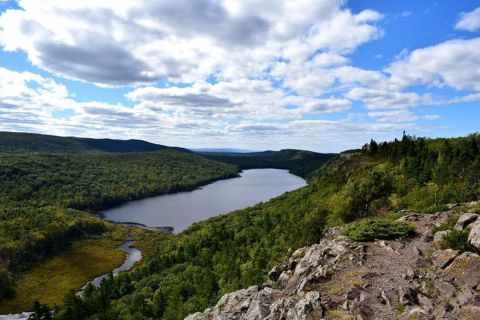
(313, 225)
(370, 229)
(447, 224)
(366, 195)
(456, 240)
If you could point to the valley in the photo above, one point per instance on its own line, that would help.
(188, 272)
(239, 160)
(54, 193)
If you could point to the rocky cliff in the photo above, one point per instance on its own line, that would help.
(407, 278)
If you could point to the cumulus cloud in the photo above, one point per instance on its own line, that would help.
(246, 99)
(385, 99)
(469, 21)
(400, 116)
(131, 42)
(29, 102)
(453, 63)
(381, 99)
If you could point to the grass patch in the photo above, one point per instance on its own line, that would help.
(371, 229)
(339, 315)
(50, 280)
(149, 242)
(448, 224)
(456, 240)
(400, 307)
(349, 280)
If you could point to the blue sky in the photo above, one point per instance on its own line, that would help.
(325, 75)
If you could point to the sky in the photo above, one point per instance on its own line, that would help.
(322, 75)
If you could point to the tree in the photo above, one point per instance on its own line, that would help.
(313, 226)
(364, 192)
(40, 312)
(6, 285)
(373, 147)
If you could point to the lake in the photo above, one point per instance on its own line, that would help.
(180, 210)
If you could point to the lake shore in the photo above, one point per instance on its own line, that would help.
(182, 209)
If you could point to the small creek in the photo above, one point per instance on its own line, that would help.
(132, 255)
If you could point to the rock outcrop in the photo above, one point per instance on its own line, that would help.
(407, 278)
(464, 220)
(474, 235)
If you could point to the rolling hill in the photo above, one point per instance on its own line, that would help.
(16, 142)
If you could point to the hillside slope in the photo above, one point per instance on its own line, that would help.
(407, 278)
(16, 142)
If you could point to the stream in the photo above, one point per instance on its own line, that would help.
(132, 255)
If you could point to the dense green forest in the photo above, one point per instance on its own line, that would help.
(299, 162)
(194, 269)
(19, 142)
(41, 196)
(96, 181)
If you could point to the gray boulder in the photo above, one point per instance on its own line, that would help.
(464, 271)
(465, 220)
(443, 258)
(474, 236)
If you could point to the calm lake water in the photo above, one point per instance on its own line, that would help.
(180, 210)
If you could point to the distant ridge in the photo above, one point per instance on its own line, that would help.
(222, 150)
(19, 142)
(299, 162)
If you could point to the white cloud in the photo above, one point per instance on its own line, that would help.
(454, 63)
(381, 99)
(246, 99)
(386, 99)
(400, 116)
(315, 79)
(469, 21)
(28, 102)
(131, 42)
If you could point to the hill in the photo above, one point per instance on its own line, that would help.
(193, 270)
(299, 162)
(18, 142)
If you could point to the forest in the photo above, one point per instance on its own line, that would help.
(193, 270)
(98, 180)
(44, 198)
